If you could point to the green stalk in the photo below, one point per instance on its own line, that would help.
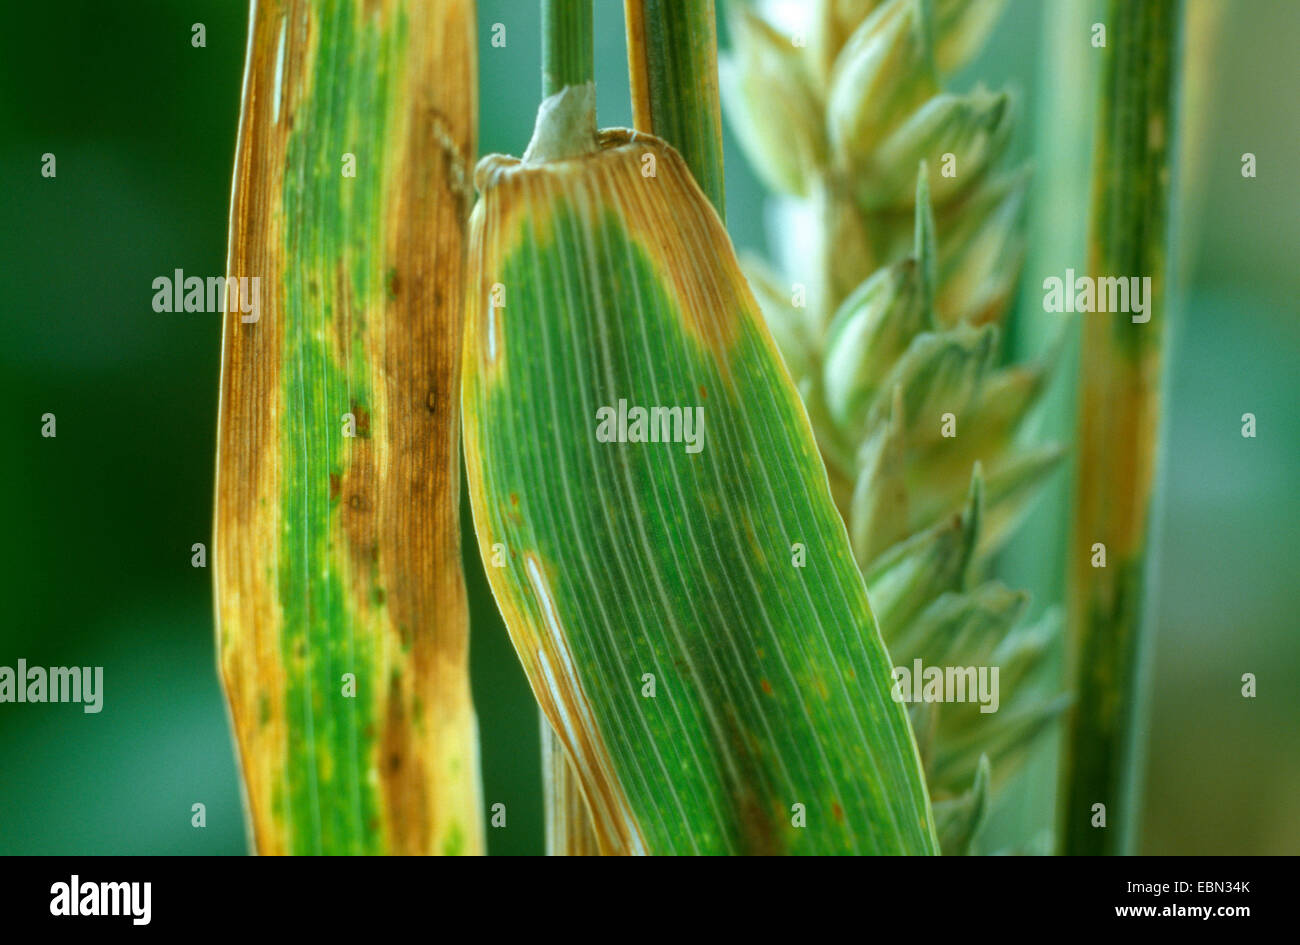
(673, 64)
(567, 46)
(1119, 414)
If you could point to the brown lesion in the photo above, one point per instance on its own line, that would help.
(403, 777)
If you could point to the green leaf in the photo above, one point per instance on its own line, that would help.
(688, 611)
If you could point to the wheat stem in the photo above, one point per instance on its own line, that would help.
(673, 64)
(1118, 416)
(567, 45)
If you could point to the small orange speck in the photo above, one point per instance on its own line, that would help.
(838, 811)
(767, 686)
(514, 499)
(704, 394)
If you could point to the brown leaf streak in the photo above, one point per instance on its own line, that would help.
(429, 712)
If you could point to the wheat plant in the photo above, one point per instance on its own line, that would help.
(901, 246)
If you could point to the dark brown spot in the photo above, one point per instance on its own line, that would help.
(336, 485)
(363, 419)
(514, 499)
(431, 401)
(358, 503)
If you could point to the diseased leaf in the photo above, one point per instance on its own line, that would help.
(687, 608)
(340, 602)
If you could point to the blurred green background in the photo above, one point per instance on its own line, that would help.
(95, 558)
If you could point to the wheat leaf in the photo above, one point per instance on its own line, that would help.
(690, 617)
(341, 608)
